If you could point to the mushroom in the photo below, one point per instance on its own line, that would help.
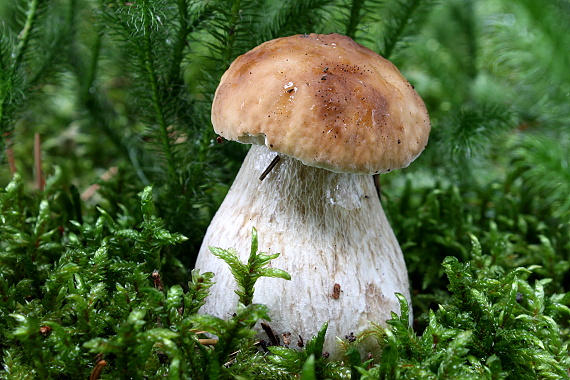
(335, 112)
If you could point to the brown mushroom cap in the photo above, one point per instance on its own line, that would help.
(324, 100)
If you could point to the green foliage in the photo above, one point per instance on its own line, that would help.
(310, 363)
(496, 325)
(544, 175)
(246, 275)
(103, 298)
(233, 335)
(120, 93)
(70, 288)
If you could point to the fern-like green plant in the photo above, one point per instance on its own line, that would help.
(60, 309)
(311, 362)
(542, 165)
(495, 326)
(247, 274)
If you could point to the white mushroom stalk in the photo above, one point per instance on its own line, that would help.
(336, 112)
(334, 239)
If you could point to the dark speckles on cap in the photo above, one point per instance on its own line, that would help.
(351, 109)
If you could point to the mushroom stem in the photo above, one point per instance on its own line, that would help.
(335, 242)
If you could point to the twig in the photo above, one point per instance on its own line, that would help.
(96, 373)
(40, 183)
(269, 168)
(91, 190)
(205, 341)
(10, 155)
(208, 342)
(269, 331)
